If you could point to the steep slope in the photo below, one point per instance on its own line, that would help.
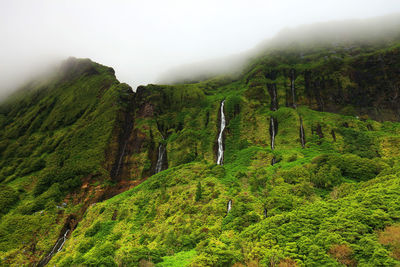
(328, 203)
(309, 176)
(59, 142)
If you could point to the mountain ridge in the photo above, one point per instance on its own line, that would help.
(350, 32)
(309, 174)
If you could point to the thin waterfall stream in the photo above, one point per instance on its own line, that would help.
(57, 248)
(229, 206)
(220, 157)
(160, 158)
(123, 141)
(302, 135)
(274, 96)
(273, 129)
(333, 135)
(273, 123)
(292, 78)
(121, 158)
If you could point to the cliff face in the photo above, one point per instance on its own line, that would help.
(308, 132)
(344, 79)
(60, 146)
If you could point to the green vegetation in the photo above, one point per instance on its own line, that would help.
(83, 138)
(53, 137)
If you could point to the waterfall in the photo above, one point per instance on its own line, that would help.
(333, 135)
(220, 157)
(123, 147)
(120, 158)
(274, 99)
(57, 248)
(273, 161)
(292, 74)
(273, 124)
(64, 238)
(273, 129)
(302, 136)
(229, 206)
(319, 131)
(274, 96)
(160, 158)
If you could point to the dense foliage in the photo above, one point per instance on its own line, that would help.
(334, 202)
(53, 136)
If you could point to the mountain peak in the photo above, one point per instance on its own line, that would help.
(74, 67)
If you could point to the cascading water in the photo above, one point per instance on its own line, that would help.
(220, 157)
(333, 135)
(120, 158)
(273, 129)
(64, 238)
(229, 206)
(274, 96)
(57, 248)
(319, 131)
(292, 76)
(273, 123)
(123, 147)
(302, 135)
(160, 158)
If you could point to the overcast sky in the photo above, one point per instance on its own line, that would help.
(142, 39)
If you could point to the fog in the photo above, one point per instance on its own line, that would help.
(348, 33)
(148, 41)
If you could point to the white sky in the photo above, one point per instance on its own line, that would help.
(142, 39)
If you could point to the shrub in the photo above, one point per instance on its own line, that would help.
(135, 255)
(327, 177)
(343, 254)
(351, 166)
(8, 198)
(35, 165)
(92, 231)
(102, 255)
(198, 192)
(295, 175)
(359, 143)
(86, 245)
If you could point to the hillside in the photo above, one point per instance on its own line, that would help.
(109, 177)
(59, 142)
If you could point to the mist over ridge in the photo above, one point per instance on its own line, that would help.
(268, 143)
(344, 33)
(147, 42)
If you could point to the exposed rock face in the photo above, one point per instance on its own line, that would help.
(125, 130)
(273, 130)
(302, 134)
(333, 135)
(292, 74)
(162, 161)
(274, 96)
(318, 130)
(146, 111)
(372, 86)
(187, 117)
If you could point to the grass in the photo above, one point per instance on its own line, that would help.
(64, 131)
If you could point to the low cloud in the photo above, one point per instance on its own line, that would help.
(147, 41)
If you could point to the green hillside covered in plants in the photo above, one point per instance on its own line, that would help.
(94, 174)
